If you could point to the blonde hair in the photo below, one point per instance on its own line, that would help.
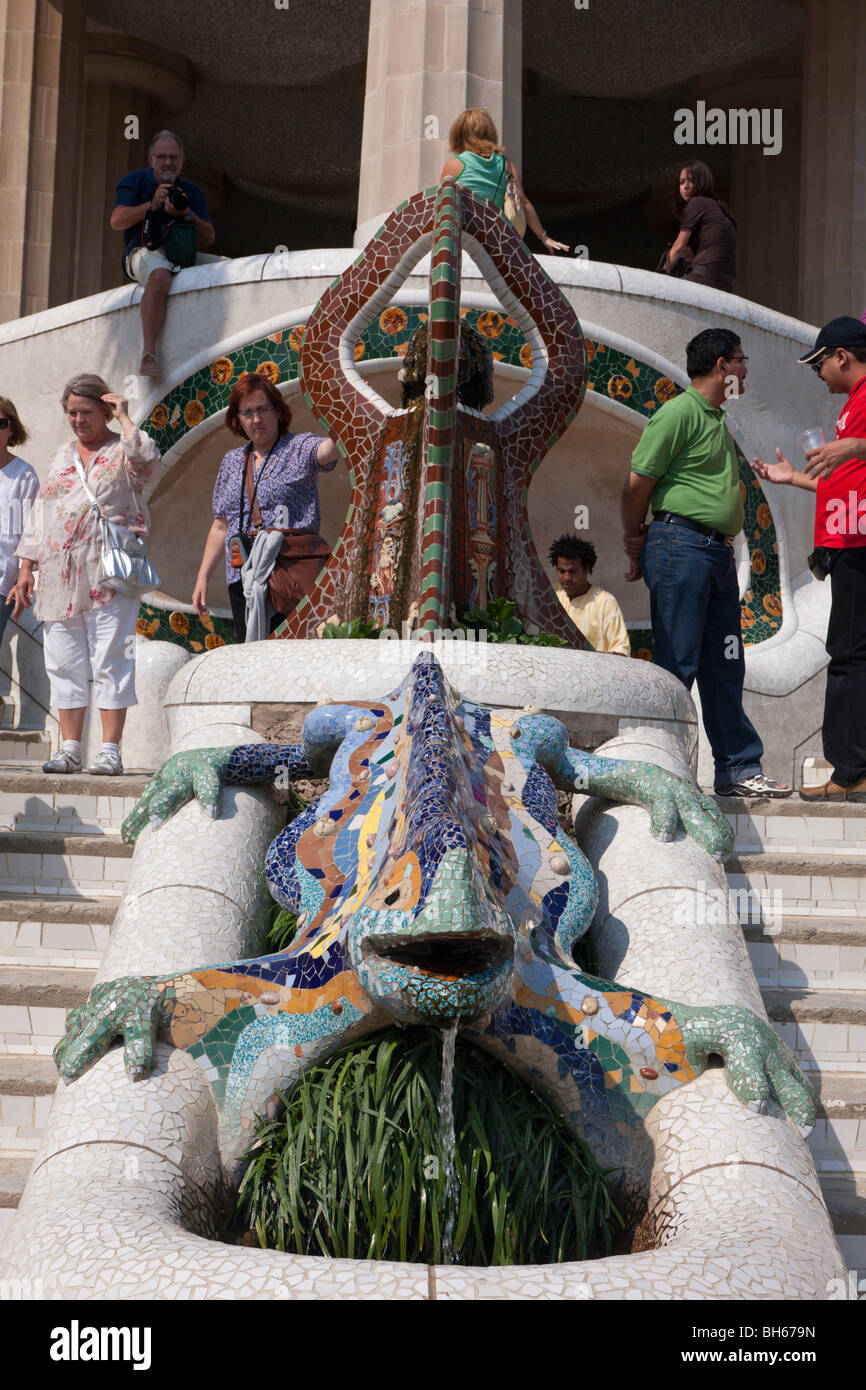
(90, 386)
(474, 130)
(19, 434)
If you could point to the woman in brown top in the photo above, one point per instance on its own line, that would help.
(707, 230)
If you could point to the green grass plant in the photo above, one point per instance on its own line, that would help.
(351, 1166)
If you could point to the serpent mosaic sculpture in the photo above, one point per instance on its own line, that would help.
(438, 517)
(434, 883)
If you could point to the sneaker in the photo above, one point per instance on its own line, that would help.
(831, 791)
(149, 365)
(62, 762)
(106, 765)
(758, 785)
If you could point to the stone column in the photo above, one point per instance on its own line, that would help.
(41, 57)
(427, 61)
(833, 198)
(764, 188)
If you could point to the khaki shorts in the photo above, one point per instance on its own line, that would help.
(141, 262)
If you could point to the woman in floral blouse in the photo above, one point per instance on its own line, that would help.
(86, 626)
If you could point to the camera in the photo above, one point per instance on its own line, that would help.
(177, 200)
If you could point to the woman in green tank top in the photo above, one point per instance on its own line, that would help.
(479, 162)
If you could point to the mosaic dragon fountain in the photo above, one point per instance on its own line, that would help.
(432, 878)
(434, 884)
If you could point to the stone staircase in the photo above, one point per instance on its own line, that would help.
(62, 871)
(798, 877)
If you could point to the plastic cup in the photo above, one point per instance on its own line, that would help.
(811, 439)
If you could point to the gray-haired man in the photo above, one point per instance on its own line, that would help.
(149, 204)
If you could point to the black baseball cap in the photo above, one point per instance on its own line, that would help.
(844, 332)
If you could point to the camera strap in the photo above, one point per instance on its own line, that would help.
(247, 489)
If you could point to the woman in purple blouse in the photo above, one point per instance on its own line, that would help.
(284, 469)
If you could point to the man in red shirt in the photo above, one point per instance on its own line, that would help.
(836, 473)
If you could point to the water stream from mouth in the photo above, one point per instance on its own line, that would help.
(447, 1140)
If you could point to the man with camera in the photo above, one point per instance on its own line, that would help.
(164, 220)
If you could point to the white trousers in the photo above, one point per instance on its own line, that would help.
(103, 640)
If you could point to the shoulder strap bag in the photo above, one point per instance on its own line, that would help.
(123, 563)
(300, 561)
(513, 202)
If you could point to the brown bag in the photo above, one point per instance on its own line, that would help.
(302, 557)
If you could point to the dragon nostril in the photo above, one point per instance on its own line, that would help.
(391, 898)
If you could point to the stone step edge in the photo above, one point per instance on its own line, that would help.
(27, 1076)
(790, 1005)
(782, 862)
(35, 907)
(841, 1096)
(845, 1195)
(45, 989)
(788, 806)
(15, 778)
(64, 842)
(814, 931)
(14, 1173)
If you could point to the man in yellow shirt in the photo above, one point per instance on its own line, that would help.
(593, 610)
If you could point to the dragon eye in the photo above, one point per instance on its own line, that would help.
(392, 897)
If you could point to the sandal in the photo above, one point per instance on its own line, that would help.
(149, 365)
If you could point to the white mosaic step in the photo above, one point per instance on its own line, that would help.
(845, 1195)
(816, 954)
(826, 1028)
(55, 931)
(51, 863)
(27, 1085)
(838, 1141)
(33, 1007)
(24, 746)
(797, 884)
(71, 811)
(792, 826)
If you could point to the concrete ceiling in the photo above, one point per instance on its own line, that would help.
(638, 48)
(278, 107)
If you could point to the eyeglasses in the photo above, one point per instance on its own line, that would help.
(816, 366)
(257, 414)
(5, 422)
(744, 360)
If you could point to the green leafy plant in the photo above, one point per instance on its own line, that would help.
(282, 926)
(357, 627)
(501, 623)
(352, 1167)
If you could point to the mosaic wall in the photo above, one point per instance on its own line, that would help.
(434, 883)
(186, 630)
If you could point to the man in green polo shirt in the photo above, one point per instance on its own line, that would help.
(685, 468)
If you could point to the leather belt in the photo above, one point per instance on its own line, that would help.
(674, 519)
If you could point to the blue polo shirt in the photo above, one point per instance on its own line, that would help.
(140, 186)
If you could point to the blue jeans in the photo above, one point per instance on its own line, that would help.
(695, 607)
(5, 612)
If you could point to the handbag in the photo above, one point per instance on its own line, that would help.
(302, 556)
(123, 563)
(181, 244)
(514, 203)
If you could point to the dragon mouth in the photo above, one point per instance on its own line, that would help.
(448, 957)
